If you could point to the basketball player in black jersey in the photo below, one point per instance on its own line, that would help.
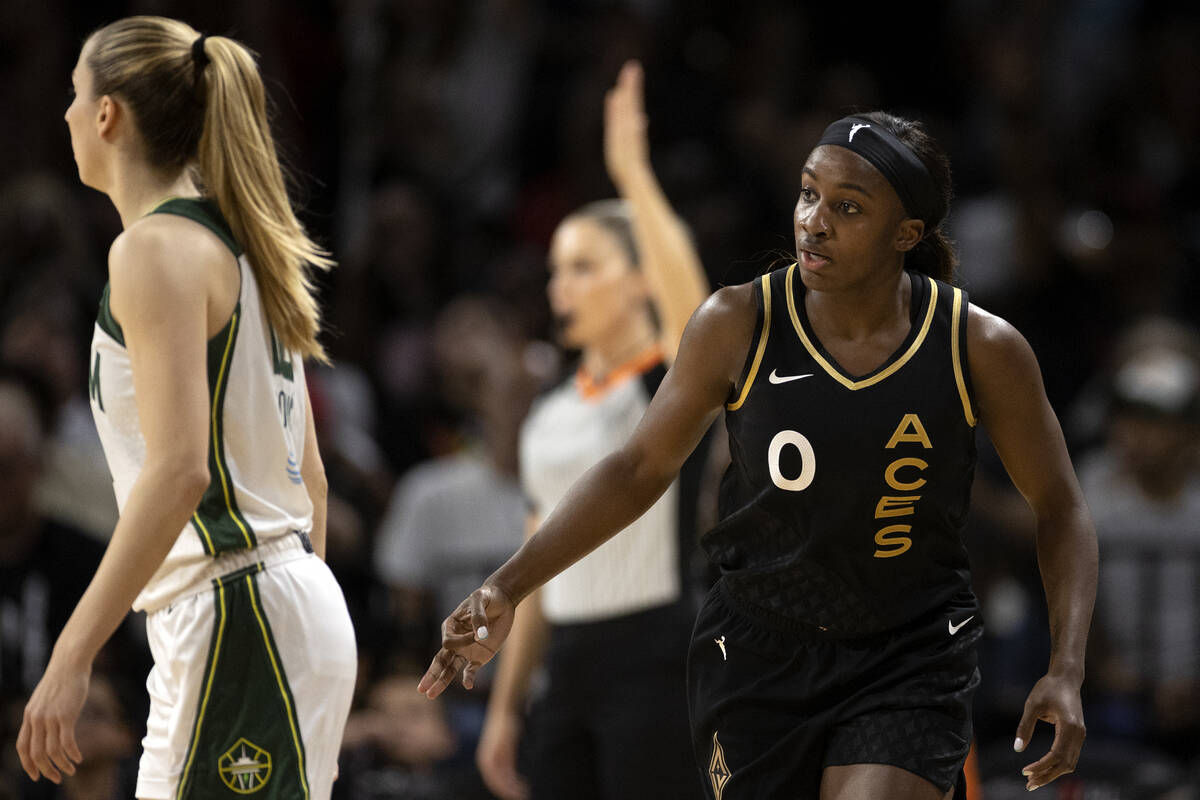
(836, 657)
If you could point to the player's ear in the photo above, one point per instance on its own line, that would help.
(909, 233)
(109, 114)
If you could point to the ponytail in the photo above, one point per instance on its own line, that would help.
(199, 102)
(935, 256)
(240, 168)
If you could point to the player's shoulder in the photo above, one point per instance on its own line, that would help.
(166, 244)
(992, 336)
(998, 357)
(164, 262)
(729, 307)
(175, 232)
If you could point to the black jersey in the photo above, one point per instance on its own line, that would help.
(843, 508)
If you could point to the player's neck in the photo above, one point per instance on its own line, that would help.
(137, 189)
(858, 312)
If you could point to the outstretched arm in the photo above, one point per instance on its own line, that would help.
(669, 260)
(1013, 406)
(496, 755)
(613, 493)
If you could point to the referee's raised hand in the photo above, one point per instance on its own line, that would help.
(471, 636)
(626, 146)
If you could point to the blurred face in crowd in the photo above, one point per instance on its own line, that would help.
(595, 290)
(1154, 446)
(81, 121)
(850, 225)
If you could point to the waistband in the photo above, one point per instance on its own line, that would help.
(280, 550)
(767, 619)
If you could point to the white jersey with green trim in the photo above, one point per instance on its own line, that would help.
(256, 431)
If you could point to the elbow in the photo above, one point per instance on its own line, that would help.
(1064, 508)
(184, 478)
(315, 481)
(317, 485)
(193, 480)
(644, 471)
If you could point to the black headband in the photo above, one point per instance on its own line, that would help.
(895, 161)
(199, 57)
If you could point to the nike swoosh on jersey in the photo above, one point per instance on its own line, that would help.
(776, 378)
(956, 628)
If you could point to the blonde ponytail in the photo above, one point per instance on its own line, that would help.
(204, 104)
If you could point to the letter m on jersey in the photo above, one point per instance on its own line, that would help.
(281, 359)
(94, 384)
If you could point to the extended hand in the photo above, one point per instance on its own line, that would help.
(626, 149)
(1054, 700)
(46, 744)
(470, 638)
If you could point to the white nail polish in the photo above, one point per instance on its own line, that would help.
(482, 633)
(1019, 744)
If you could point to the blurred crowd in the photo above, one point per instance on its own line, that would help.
(436, 144)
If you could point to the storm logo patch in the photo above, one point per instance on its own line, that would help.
(245, 768)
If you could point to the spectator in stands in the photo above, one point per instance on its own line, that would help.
(1143, 486)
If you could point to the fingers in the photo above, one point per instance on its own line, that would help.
(23, 751)
(446, 665)
(47, 748)
(478, 610)
(440, 674)
(1069, 733)
(1061, 760)
(468, 677)
(69, 748)
(55, 752)
(627, 98)
(41, 757)
(1025, 727)
(630, 80)
(40, 754)
(459, 641)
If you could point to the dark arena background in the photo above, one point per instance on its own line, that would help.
(435, 145)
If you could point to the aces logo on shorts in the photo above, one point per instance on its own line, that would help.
(718, 773)
(245, 768)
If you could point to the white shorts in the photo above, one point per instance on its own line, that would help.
(252, 681)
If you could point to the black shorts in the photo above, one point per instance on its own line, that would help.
(770, 709)
(613, 723)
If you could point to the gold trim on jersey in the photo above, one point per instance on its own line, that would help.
(762, 346)
(850, 384)
(957, 359)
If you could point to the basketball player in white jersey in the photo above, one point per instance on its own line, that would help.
(197, 387)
